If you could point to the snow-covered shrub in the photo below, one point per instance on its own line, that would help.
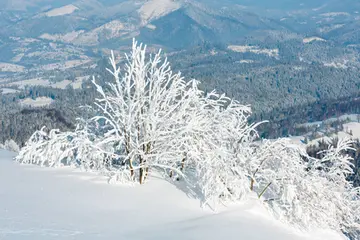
(51, 148)
(283, 179)
(10, 145)
(222, 165)
(54, 148)
(306, 192)
(339, 193)
(272, 164)
(86, 153)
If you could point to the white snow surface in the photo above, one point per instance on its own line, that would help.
(151, 26)
(336, 65)
(65, 10)
(8, 90)
(64, 65)
(352, 125)
(245, 61)
(38, 102)
(67, 37)
(254, 49)
(328, 29)
(334, 14)
(311, 39)
(46, 204)
(9, 67)
(31, 82)
(44, 82)
(109, 30)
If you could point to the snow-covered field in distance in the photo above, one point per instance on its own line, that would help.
(311, 39)
(68, 9)
(38, 102)
(8, 90)
(45, 204)
(352, 125)
(8, 67)
(46, 83)
(255, 49)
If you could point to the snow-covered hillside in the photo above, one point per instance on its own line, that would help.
(335, 14)
(351, 129)
(156, 8)
(46, 83)
(8, 90)
(38, 102)
(67, 37)
(312, 39)
(42, 203)
(8, 67)
(255, 49)
(68, 9)
(109, 30)
(336, 65)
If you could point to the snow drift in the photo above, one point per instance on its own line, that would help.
(64, 203)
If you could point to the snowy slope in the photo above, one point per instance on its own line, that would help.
(68, 9)
(38, 102)
(8, 67)
(312, 39)
(41, 203)
(352, 125)
(44, 82)
(156, 8)
(254, 49)
(109, 30)
(8, 90)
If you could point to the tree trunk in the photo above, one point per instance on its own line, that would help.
(127, 149)
(131, 169)
(252, 184)
(144, 170)
(182, 166)
(141, 177)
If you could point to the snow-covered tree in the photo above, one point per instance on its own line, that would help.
(158, 120)
(142, 108)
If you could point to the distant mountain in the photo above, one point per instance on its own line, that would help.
(89, 26)
(32, 6)
(175, 24)
(193, 24)
(274, 42)
(156, 21)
